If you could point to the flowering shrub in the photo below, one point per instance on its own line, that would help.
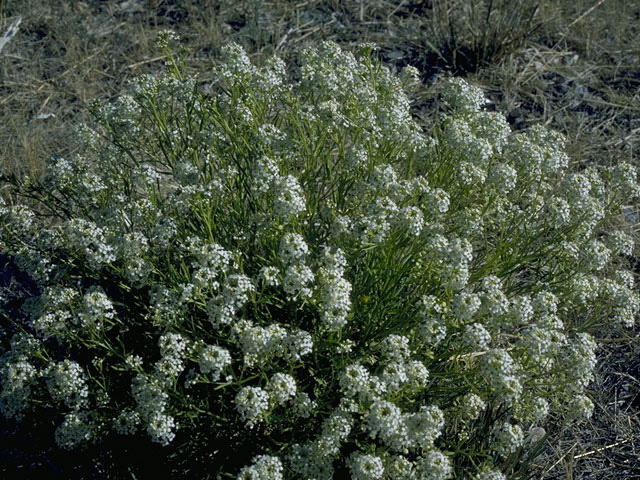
(291, 269)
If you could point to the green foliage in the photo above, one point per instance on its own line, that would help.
(291, 273)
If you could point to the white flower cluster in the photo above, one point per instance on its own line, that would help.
(165, 304)
(465, 305)
(354, 380)
(470, 406)
(380, 109)
(132, 249)
(297, 275)
(213, 360)
(395, 348)
(96, 309)
(260, 344)
(303, 406)
(20, 215)
(127, 422)
(580, 360)
(76, 180)
(432, 328)
(252, 403)
(501, 374)
(281, 388)
(223, 307)
(365, 467)
(495, 303)
(283, 191)
(263, 467)
(151, 405)
(581, 408)
(75, 430)
(507, 438)
(17, 375)
(403, 432)
(211, 261)
(67, 383)
(293, 248)
(316, 458)
(90, 239)
(237, 71)
(270, 275)
(434, 465)
(453, 257)
(335, 290)
(488, 473)
(620, 242)
(476, 336)
(173, 349)
(390, 210)
(625, 180)
(460, 95)
(52, 313)
(385, 421)
(288, 198)
(623, 298)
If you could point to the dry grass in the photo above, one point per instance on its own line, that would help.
(608, 446)
(574, 66)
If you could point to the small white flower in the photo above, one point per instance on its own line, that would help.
(263, 467)
(417, 373)
(461, 95)
(385, 421)
(90, 239)
(433, 330)
(488, 473)
(425, 426)
(470, 406)
(395, 348)
(127, 422)
(507, 438)
(281, 388)
(581, 407)
(434, 465)
(398, 467)
(213, 360)
(252, 403)
(133, 362)
(289, 198)
(354, 379)
(303, 406)
(337, 427)
(293, 248)
(16, 378)
(296, 279)
(394, 376)
(476, 336)
(74, 431)
(67, 382)
(465, 305)
(160, 428)
(270, 275)
(365, 467)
